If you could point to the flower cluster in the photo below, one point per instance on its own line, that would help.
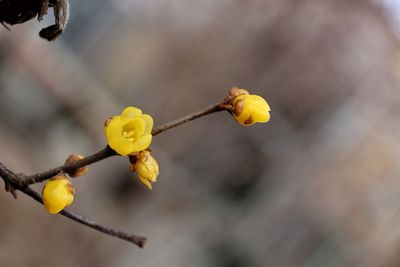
(130, 134)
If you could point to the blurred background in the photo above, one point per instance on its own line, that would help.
(317, 186)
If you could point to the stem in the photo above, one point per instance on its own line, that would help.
(40, 177)
(195, 115)
(108, 152)
(10, 178)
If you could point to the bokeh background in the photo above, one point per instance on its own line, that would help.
(317, 186)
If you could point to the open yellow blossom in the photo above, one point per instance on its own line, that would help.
(130, 132)
(58, 194)
(146, 167)
(249, 109)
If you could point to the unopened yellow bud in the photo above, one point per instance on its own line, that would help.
(77, 172)
(249, 109)
(58, 194)
(146, 167)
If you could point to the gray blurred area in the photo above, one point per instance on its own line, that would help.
(317, 186)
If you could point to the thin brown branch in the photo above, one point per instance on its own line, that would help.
(195, 115)
(10, 178)
(21, 182)
(108, 152)
(137, 240)
(40, 177)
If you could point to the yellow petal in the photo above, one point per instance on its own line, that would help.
(262, 117)
(140, 144)
(121, 145)
(113, 128)
(57, 195)
(68, 201)
(146, 183)
(147, 168)
(255, 109)
(238, 98)
(243, 118)
(144, 142)
(259, 114)
(257, 100)
(138, 126)
(131, 112)
(149, 123)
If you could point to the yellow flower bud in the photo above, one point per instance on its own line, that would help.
(130, 132)
(146, 167)
(249, 109)
(58, 194)
(77, 172)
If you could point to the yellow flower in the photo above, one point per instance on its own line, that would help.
(146, 167)
(58, 194)
(130, 132)
(249, 109)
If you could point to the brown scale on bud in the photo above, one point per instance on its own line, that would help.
(107, 122)
(238, 108)
(249, 121)
(70, 189)
(76, 172)
(59, 176)
(234, 92)
(229, 99)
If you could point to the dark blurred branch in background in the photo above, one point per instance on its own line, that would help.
(19, 11)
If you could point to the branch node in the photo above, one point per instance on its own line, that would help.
(9, 188)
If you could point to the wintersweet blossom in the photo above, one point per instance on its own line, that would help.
(129, 132)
